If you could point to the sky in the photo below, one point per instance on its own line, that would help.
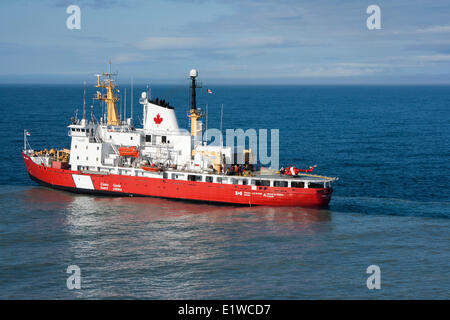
(229, 42)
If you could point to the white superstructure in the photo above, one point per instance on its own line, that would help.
(96, 146)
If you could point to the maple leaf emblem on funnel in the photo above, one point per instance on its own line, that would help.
(158, 119)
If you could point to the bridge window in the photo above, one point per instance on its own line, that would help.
(163, 139)
(297, 184)
(148, 138)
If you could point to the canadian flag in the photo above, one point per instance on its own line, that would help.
(209, 91)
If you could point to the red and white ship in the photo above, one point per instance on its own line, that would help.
(112, 157)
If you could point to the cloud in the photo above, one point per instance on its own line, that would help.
(434, 29)
(98, 4)
(158, 43)
(190, 43)
(333, 70)
(434, 58)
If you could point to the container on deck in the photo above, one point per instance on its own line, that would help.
(60, 165)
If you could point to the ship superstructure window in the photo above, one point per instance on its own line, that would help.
(148, 138)
(221, 180)
(280, 183)
(297, 184)
(209, 179)
(315, 185)
(177, 176)
(245, 182)
(265, 183)
(163, 139)
(193, 177)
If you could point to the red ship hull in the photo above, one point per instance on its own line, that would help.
(121, 185)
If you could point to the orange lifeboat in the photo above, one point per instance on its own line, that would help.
(129, 151)
(152, 168)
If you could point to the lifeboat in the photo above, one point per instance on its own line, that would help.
(151, 168)
(129, 151)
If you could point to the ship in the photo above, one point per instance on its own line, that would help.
(113, 157)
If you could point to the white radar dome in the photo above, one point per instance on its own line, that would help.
(193, 73)
(144, 95)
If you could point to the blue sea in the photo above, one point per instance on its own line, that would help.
(389, 146)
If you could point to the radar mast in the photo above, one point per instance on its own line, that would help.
(112, 116)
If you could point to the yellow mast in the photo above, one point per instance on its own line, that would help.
(113, 118)
(193, 116)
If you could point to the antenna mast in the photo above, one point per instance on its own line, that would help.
(84, 102)
(131, 100)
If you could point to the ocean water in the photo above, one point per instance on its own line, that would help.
(389, 145)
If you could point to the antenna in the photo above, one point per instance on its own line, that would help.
(193, 74)
(125, 105)
(206, 123)
(120, 108)
(84, 102)
(221, 117)
(131, 100)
